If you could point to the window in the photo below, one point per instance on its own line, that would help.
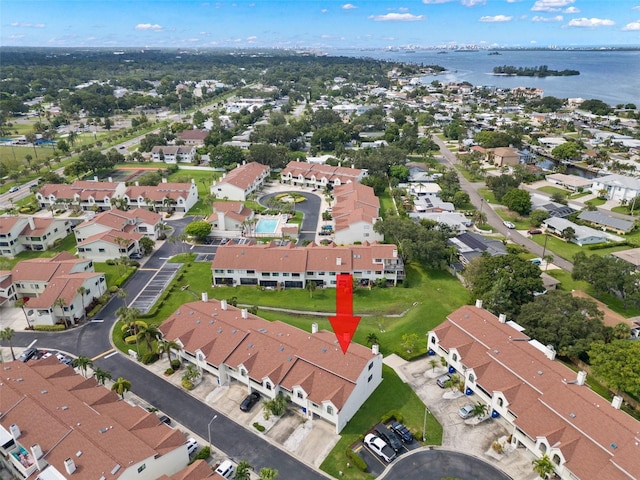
(299, 395)
(275, 274)
(472, 378)
(285, 274)
(142, 467)
(332, 274)
(101, 250)
(266, 274)
(370, 378)
(267, 385)
(229, 271)
(329, 409)
(243, 372)
(370, 366)
(295, 275)
(500, 401)
(556, 459)
(454, 357)
(543, 447)
(251, 272)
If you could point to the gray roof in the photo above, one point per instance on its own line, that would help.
(582, 232)
(606, 220)
(616, 180)
(471, 245)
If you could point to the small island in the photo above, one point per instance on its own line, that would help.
(541, 71)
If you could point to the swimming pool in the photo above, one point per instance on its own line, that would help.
(267, 225)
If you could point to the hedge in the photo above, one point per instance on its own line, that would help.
(257, 426)
(131, 339)
(356, 460)
(49, 328)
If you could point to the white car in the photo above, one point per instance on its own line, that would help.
(509, 225)
(225, 469)
(192, 446)
(380, 447)
(466, 411)
(14, 189)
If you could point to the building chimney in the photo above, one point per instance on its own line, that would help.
(137, 183)
(616, 402)
(164, 180)
(95, 178)
(110, 179)
(375, 349)
(205, 297)
(244, 313)
(69, 465)
(582, 376)
(314, 327)
(502, 318)
(223, 304)
(32, 224)
(478, 303)
(15, 431)
(36, 453)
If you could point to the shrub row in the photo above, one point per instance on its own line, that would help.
(392, 415)
(49, 328)
(356, 460)
(257, 426)
(623, 243)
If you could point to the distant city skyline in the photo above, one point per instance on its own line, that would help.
(318, 24)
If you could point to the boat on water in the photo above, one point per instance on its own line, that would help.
(494, 53)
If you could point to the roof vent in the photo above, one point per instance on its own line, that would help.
(614, 446)
(250, 345)
(219, 329)
(198, 321)
(191, 312)
(15, 431)
(79, 453)
(233, 330)
(539, 372)
(281, 348)
(496, 351)
(69, 465)
(19, 379)
(210, 322)
(289, 359)
(115, 469)
(324, 350)
(44, 392)
(64, 407)
(572, 415)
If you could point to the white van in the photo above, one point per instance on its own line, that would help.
(225, 469)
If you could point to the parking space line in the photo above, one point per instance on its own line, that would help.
(375, 456)
(112, 350)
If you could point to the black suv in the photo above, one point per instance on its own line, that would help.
(388, 436)
(249, 401)
(402, 431)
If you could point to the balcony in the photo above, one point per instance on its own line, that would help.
(22, 461)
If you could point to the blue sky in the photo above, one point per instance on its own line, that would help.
(319, 24)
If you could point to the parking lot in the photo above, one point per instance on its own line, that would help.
(375, 464)
(151, 292)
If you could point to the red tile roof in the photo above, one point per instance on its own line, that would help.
(274, 350)
(309, 170)
(597, 440)
(245, 175)
(72, 417)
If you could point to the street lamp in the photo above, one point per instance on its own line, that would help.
(424, 425)
(209, 428)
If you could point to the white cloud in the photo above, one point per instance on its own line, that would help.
(513, 1)
(591, 22)
(637, 7)
(324, 10)
(533, 42)
(572, 10)
(252, 39)
(496, 18)
(27, 25)
(433, 2)
(403, 9)
(397, 17)
(148, 26)
(537, 18)
(15, 37)
(631, 27)
(472, 3)
(348, 6)
(550, 5)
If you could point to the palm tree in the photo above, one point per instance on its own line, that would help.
(372, 339)
(82, 363)
(149, 333)
(7, 334)
(165, 346)
(548, 259)
(479, 410)
(434, 363)
(543, 466)
(268, 473)
(310, 286)
(82, 291)
(20, 303)
(242, 470)
(101, 375)
(122, 293)
(121, 386)
(60, 302)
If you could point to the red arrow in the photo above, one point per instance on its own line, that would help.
(344, 323)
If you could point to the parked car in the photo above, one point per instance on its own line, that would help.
(536, 261)
(192, 446)
(466, 411)
(443, 379)
(14, 189)
(135, 256)
(400, 429)
(389, 436)
(28, 354)
(379, 447)
(509, 225)
(164, 419)
(534, 231)
(249, 401)
(225, 469)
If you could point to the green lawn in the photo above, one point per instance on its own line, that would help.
(112, 272)
(386, 204)
(567, 250)
(68, 244)
(551, 190)
(392, 394)
(488, 195)
(203, 179)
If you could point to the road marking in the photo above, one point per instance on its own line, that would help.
(32, 343)
(111, 354)
(110, 351)
(148, 269)
(97, 320)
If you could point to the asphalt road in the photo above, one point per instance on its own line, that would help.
(439, 464)
(310, 209)
(492, 217)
